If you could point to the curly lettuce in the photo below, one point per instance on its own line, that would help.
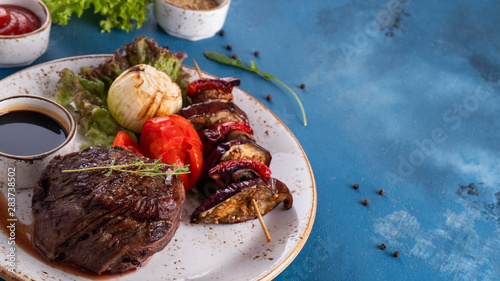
(84, 94)
(123, 14)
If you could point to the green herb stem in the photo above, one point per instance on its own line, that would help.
(224, 59)
(296, 97)
(142, 169)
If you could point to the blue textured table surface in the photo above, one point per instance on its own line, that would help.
(400, 95)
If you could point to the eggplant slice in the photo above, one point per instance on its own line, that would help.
(239, 149)
(223, 132)
(211, 94)
(235, 149)
(206, 89)
(233, 204)
(204, 115)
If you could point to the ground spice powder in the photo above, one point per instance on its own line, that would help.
(194, 4)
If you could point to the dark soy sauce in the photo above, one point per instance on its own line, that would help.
(27, 133)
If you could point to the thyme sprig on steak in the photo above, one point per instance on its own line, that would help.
(155, 169)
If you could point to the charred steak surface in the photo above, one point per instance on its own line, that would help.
(103, 224)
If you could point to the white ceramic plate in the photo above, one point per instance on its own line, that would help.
(197, 251)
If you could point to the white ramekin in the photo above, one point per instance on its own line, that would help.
(190, 24)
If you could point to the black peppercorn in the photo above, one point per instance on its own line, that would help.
(355, 186)
(269, 98)
(229, 47)
(396, 254)
(234, 56)
(302, 86)
(256, 53)
(383, 246)
(381, 192)
(366, 202)
(222, 32)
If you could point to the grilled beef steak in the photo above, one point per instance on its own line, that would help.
(103, 224)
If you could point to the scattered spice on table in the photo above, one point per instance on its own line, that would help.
(229, 47)
(396, 254)
(256, 53)
(269, 97)
(222, 32)
(302, 86)
(366, 202)
(396, 21)
(383, 246)
(381, 192)
(355, 186)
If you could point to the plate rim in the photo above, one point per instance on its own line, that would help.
(273, 272)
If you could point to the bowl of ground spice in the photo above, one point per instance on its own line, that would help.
(191, 19)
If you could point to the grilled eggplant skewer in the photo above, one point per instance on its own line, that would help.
(236, 169)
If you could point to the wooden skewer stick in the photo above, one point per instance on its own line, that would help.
(197, 69)
(261, 220)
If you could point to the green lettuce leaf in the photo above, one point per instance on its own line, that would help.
(123, 14)
(84, 94)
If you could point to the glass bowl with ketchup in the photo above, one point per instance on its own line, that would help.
(24, 31)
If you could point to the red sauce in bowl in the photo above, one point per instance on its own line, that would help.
(15, 20)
